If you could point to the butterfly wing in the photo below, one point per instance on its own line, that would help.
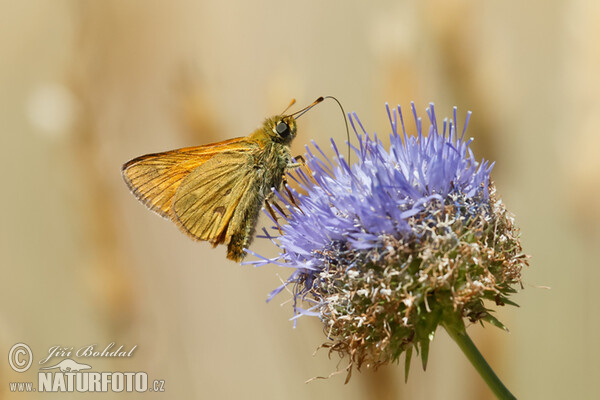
(220, 199)
(154, 178)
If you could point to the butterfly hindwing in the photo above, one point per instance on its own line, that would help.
(212, 203)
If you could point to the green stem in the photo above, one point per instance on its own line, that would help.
(468, 348)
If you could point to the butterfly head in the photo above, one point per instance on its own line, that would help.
(282, 128)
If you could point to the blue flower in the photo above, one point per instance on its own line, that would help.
(408, 238)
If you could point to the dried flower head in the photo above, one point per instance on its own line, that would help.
(404, 240)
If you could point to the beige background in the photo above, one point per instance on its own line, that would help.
(87, 85)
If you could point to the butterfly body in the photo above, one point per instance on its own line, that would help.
(215, 192)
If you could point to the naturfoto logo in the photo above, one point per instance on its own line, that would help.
(59, 372)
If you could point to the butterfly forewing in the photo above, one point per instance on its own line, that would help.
(154, 178)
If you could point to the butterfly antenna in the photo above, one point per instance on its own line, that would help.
(288, 107)
(345, 121)
(298, 114)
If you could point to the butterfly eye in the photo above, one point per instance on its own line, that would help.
(283, 129)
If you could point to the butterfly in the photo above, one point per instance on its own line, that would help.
(215, 192)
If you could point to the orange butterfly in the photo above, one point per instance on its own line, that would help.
(215, 192)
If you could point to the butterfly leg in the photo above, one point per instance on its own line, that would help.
(273, 214)
(290, 195)
(278, 207)
(298, 163)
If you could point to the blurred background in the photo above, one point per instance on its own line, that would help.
(88, 85)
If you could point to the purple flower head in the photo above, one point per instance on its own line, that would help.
(381, 250)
